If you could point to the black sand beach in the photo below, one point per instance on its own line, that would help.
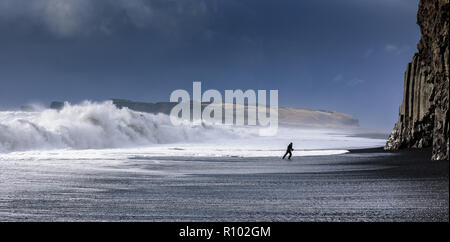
(362, 185)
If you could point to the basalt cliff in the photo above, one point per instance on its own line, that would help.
(423, 116)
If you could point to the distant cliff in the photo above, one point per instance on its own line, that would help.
(286, 116)
(316, 118)
(423, 116)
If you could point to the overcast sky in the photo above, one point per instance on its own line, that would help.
(347, 55)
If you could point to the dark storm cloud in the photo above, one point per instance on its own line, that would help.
(346, 55)
(74, 17)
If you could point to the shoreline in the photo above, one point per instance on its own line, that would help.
(422, 152)
(361, 185)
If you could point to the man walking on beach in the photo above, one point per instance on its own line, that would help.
(288, 151)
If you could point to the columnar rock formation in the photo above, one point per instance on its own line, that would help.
(424, 116)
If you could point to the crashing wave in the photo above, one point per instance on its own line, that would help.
(91, 125)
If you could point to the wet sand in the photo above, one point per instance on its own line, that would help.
(362, 185)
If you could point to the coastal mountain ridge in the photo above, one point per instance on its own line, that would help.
(286, 115)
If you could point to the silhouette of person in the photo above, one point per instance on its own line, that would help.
(289, 151)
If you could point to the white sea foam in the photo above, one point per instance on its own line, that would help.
(103, 131)
(96, 126)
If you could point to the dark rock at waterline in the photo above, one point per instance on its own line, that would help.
(57, 105)
(423, 116)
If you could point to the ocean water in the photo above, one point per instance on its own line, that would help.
(94, 162)
(102, 131)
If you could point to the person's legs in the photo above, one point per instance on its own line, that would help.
(290, 155)
(285, 154)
